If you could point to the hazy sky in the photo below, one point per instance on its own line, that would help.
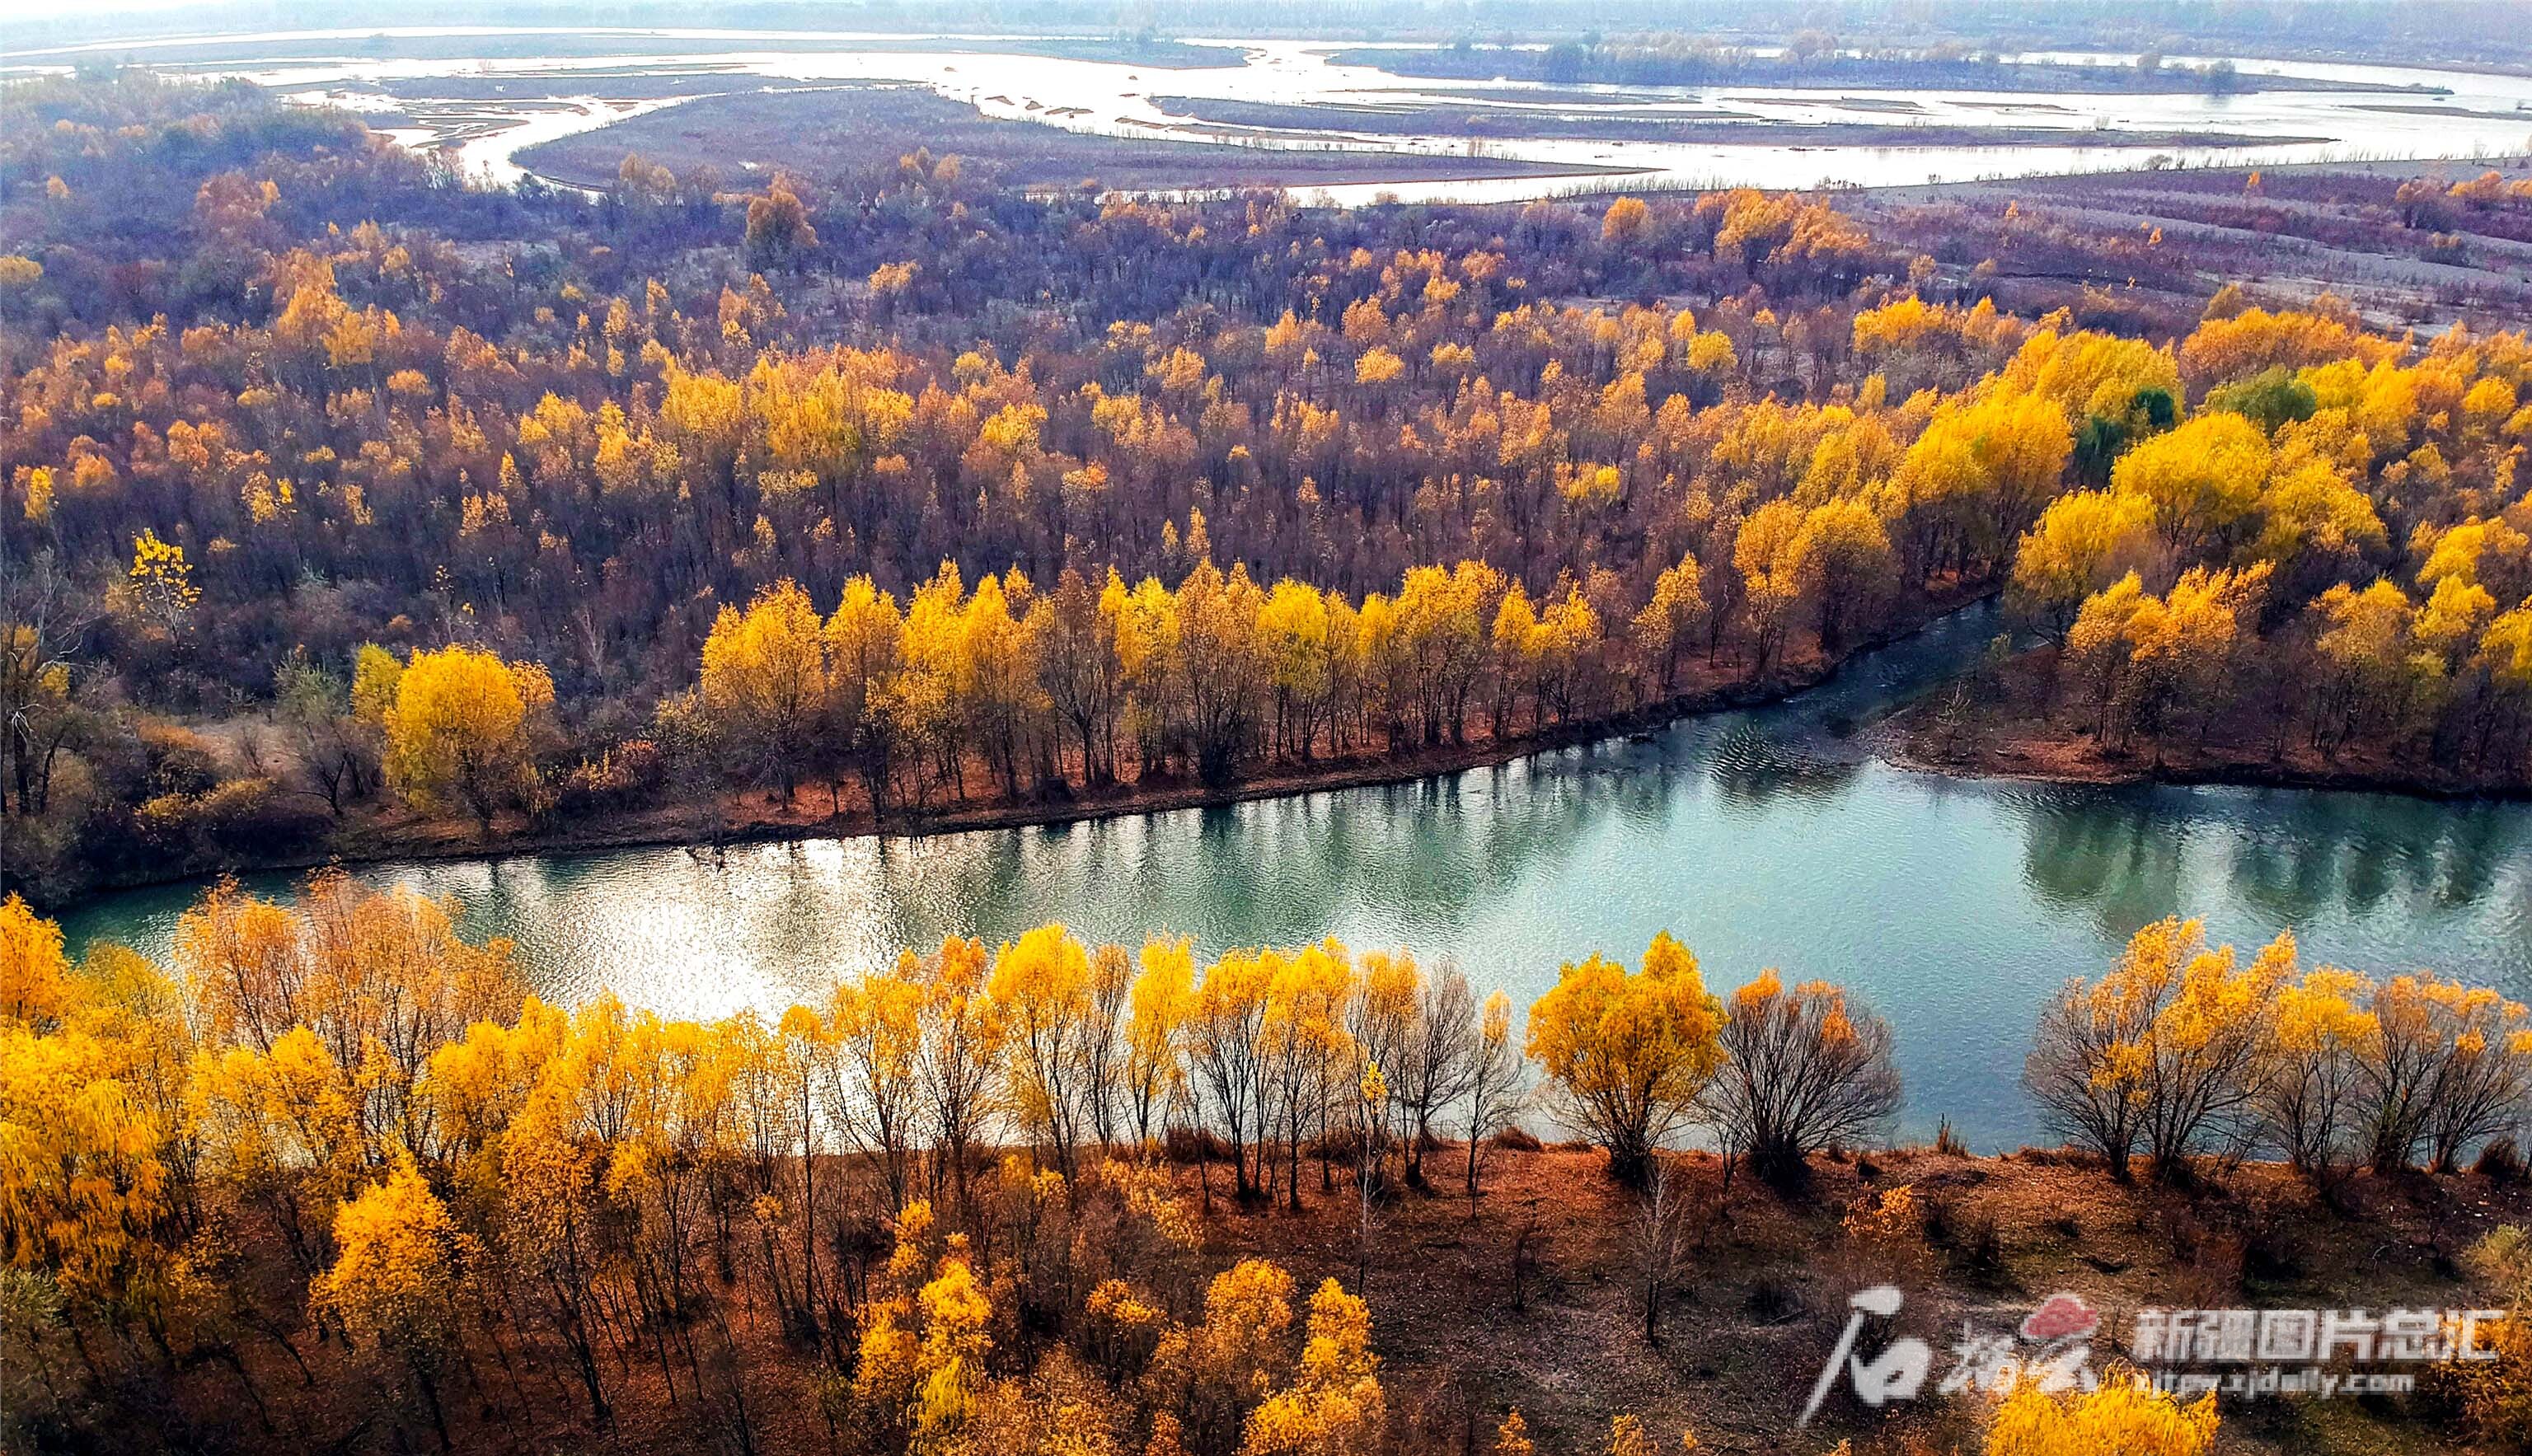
(47, 10)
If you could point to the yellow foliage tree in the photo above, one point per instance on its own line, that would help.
(2083, 543)
(2123, 1415)
(2205, 478)
(2161, 1054)
(399, 1262)
(764, 679)
(35, 985)
(1629, 1052)
(85, 1172)
(1334, 1406)
(463, 730)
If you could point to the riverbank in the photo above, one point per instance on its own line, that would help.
(1621, 64)
(383, 831)
(1915, 739)
(1331, 120)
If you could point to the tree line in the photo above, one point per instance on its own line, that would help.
(1534, 466)
(2332, 557)
(952, 1186)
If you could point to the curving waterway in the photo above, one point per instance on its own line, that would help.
(432, 74)
(1769, 837)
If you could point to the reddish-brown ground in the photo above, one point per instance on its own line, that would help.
(1756, 1303)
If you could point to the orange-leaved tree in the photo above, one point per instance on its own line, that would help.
(1627, 1054)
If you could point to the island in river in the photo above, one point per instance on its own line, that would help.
(834, 130)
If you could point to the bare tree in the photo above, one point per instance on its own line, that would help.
(1436, 1061)
(1494, 1083)
(1657, 1236)
(1526, 1242)
(2082, 1098)
(42, 620)
(1804, 1069)
(337, 751)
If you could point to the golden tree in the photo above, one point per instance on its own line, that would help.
(86, 1172)
(1771, 577)
(1842, 555)
(399, 1262)
(1155, 1073)
(1215, 1370)
(2312, 1077)
(2161, 1053)
(1041, 992)
(464, 728)
(959, 1061)
(1334, 1406)
(1224, 1030)
(35, 983)
(872, 1090)
(2082, 543)
(1628, 1053)
(764, 679)
(2447, 1065)
(865, 647)
(2203, 478)
(1666, 624)
(161, 583)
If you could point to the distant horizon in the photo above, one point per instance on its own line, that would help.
(1405, 15)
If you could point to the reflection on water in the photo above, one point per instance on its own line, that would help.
(1761, 838)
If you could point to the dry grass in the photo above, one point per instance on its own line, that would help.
(1763, 1295)
(1529, 1300)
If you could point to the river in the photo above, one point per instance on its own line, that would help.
(1769, 837)
(396, 68)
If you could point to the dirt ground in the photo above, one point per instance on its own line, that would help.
(1535, 1301)
(1761, 1294)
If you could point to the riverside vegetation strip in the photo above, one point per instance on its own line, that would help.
(359, 1178)
(516, 511)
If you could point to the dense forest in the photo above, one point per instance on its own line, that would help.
(339, 491)
(335, 1177)
(339, 498)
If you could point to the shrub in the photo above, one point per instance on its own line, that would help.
(177, 760)
(244, 817)
(625, 775)
(2501, 1162)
